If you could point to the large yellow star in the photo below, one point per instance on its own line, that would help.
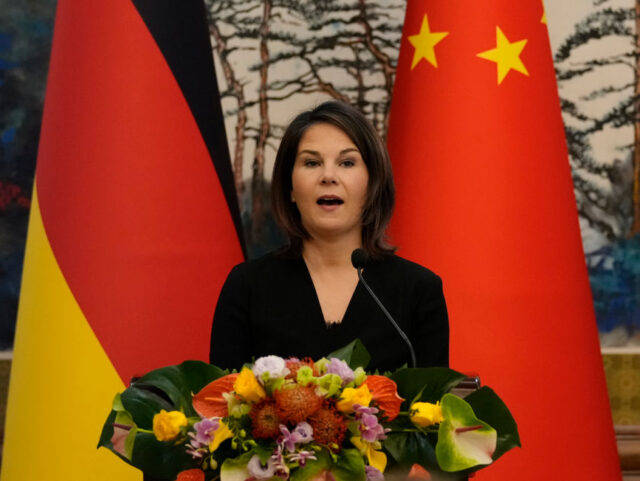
(506, 55)
(424, 44)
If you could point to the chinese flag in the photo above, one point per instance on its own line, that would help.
(132, 231)
(485, 199)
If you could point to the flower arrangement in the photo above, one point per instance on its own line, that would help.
(298, 419)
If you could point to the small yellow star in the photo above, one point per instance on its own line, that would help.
(506, 55)
(544, 15)
(424, 44)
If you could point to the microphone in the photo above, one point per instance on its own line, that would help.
(359, 261)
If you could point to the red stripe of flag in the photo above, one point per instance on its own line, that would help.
(130, 199)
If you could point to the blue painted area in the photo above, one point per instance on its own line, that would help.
(8, 136)
(5, 41)
(614, 274)
(6, 65)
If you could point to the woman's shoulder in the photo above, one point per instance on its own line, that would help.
(270, 264)
(394, 265)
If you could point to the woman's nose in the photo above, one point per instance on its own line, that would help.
(328, 176)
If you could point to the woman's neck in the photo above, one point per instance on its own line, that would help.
(319, 253)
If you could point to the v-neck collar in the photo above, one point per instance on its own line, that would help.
(318, 308)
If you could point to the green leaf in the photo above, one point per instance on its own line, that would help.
(107, 431)
(179, 382)
(431, 383)
(354, 354)
(313, 467)
(162, 460)
(235, 469)
(410, 448)
(490, 408)
(464, 441)
(143, 404)
(349, 467)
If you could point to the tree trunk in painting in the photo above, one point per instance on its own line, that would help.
(236, 89)
(257, 181)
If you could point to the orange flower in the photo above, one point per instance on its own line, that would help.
(191, 475)
(385, 394)
(209, 402)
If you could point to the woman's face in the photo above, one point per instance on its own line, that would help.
(329, 182)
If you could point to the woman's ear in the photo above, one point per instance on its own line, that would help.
(293, 199)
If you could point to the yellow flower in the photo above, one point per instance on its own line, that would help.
(377, 459)
(351, 396)
(247, 386)
(166, 425)
(426, 414)
(222, 433)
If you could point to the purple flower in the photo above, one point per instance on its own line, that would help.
(305, 431)
(370, 428)
(205, 430)
(373, 474)
(288, 439)
(342, 369)
(301, 457)
(258, 471)
(364, 410)
(301, 434)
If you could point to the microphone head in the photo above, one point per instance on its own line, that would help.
(359, 258)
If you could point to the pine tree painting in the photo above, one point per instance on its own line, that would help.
(596, 66)
(278, 57)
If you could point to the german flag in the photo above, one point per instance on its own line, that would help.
(133, 229)
(485, 199)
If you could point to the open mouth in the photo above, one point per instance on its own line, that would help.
(327, 200)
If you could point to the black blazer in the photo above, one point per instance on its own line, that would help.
(269, 306)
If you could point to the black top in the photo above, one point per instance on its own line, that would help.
(269, 306)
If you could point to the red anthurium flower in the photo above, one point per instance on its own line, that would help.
(209, 402)
(418, 472)
(385, 394)
(191, 475)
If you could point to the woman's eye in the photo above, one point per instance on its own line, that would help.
(347, 163)
(311, 163)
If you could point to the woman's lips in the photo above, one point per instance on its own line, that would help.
(329, 202)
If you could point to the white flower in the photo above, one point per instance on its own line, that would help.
(258, 471)
(270, 367)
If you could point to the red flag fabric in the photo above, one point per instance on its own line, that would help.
(131, 234)
(485, 199)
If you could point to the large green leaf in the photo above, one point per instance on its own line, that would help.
(354, 354)
(409, 448)
(107, 431)
(464, 441)
(349, 467)
(143, 404)
(163, 460)
(432, 382)
(180, 382)
(120, 416)
(489, 407)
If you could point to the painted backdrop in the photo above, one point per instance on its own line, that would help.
(277, 57)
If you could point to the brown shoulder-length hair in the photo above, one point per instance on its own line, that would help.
(380, 191)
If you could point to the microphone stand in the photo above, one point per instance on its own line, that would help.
(386, 313)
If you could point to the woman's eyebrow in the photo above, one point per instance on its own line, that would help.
(307, 151)
(317, 154)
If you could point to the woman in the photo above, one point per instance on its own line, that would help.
(332, 192)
